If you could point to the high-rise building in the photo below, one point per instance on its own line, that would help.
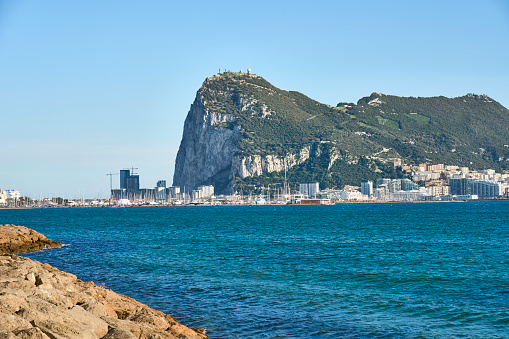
(124, 174)
(161, 183)
(309, 189)
(367, 187)
(461, 186)
(133, 182)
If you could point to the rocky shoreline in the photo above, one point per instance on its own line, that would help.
(40, 301)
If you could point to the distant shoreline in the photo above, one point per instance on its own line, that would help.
(240, 205)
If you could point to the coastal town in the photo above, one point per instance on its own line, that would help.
(425, 182)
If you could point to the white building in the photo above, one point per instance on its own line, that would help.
(3, 197)
(12, 195)
(206, 191)
(351, 195)
(408, 195)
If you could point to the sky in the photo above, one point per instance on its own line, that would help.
(91, 87)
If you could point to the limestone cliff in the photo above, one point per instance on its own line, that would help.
(206, 150)
(241, 130)
(209, 152)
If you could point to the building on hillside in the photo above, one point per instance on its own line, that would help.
(425, 176)
(380, 182)
(367, 187)
(408, 185)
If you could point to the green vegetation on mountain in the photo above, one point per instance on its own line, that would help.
(352, 142)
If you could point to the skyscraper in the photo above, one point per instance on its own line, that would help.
(124, 174)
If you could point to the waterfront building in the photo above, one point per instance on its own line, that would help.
(124, 174)
(309, 190)
(196, 195)
(3, 197)
(13, 194)
(408, 195)
(487, 189)
(351, 195)
(461, 186)
(160, 193)
(438, 190)
(367, 187)
(315, 202)
(173, 192)
(133, 182)
(330, 194)
(206, 191)
(381, 192)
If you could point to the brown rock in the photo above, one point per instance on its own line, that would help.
(19, 239)
(31, 333)
(40, 301)
(11, 322)
(119, 333)
(55, 329)
(79, 315)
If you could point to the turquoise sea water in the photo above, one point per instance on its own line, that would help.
(433, 270)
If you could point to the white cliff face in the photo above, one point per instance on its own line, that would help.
(209, 153)
(207, 148)
(249, 166)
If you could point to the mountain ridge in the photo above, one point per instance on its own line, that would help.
(242, 131)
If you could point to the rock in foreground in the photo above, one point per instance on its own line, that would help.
(20, 239)
(40, 301)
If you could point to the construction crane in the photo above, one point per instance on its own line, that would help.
(132, 169)
(111, 177)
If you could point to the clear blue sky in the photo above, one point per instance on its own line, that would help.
(89, 87)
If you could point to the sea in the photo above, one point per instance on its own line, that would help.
(388, 270)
